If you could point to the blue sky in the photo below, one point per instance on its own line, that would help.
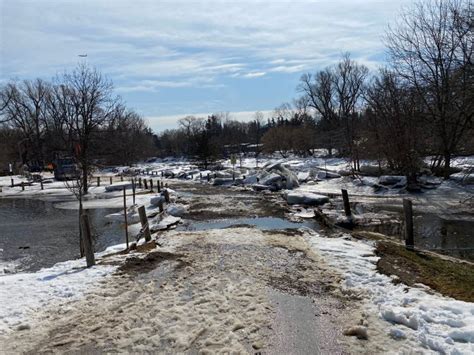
(170, 59)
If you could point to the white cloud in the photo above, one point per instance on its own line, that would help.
(160, 123)
(254, 74)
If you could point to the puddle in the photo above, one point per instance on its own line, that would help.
(263, 223)
(34, 234)
(449, 236)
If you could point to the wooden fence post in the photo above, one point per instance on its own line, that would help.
(151, 185)
(408, 212)
(167, 196)
(98, 180)
(158, 186)
(22, 186)
(41, 183)
(160, 206)
(145, 183)
(121, 177)
(162, 184)
(144, 223)
(208, 177)
(13, 182)
(133, 190)
(87, 240)
(347, 206)
(140, 182)
(110, 178)
(200, 176)
(125, 213)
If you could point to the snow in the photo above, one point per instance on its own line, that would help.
(23, 294)
(424, 318)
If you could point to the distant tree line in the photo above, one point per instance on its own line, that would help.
(74, 115)
(420, 104)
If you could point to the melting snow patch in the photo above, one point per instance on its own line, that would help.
(423, 319)
(22, 294)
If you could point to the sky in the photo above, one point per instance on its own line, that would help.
(169, 59)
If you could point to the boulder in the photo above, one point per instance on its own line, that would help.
(306, 198)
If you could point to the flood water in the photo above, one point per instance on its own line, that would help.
(34, 234)
(264, 223)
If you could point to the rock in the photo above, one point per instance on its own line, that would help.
(303, 176)
(118, 186)
(392, 180)
(359, 331)
(306, 198)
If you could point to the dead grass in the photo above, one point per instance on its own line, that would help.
(453, 279)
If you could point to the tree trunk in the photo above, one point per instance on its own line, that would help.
(85, 181)
(447, 165)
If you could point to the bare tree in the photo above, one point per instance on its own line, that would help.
(335, 94)
(90, 106)
(394, 128)
(431, 48)
(25, 110)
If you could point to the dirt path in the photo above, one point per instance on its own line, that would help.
(240, 290)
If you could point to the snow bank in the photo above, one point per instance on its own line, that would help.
(22, 294)
(425, 319)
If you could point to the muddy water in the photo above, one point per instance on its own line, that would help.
(34, 234)
(263, 223)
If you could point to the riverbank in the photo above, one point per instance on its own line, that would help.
(245, 279)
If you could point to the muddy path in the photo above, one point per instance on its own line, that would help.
(242, 290)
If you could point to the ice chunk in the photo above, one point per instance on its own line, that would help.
(306, 198)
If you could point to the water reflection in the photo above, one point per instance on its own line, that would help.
(38, 235)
